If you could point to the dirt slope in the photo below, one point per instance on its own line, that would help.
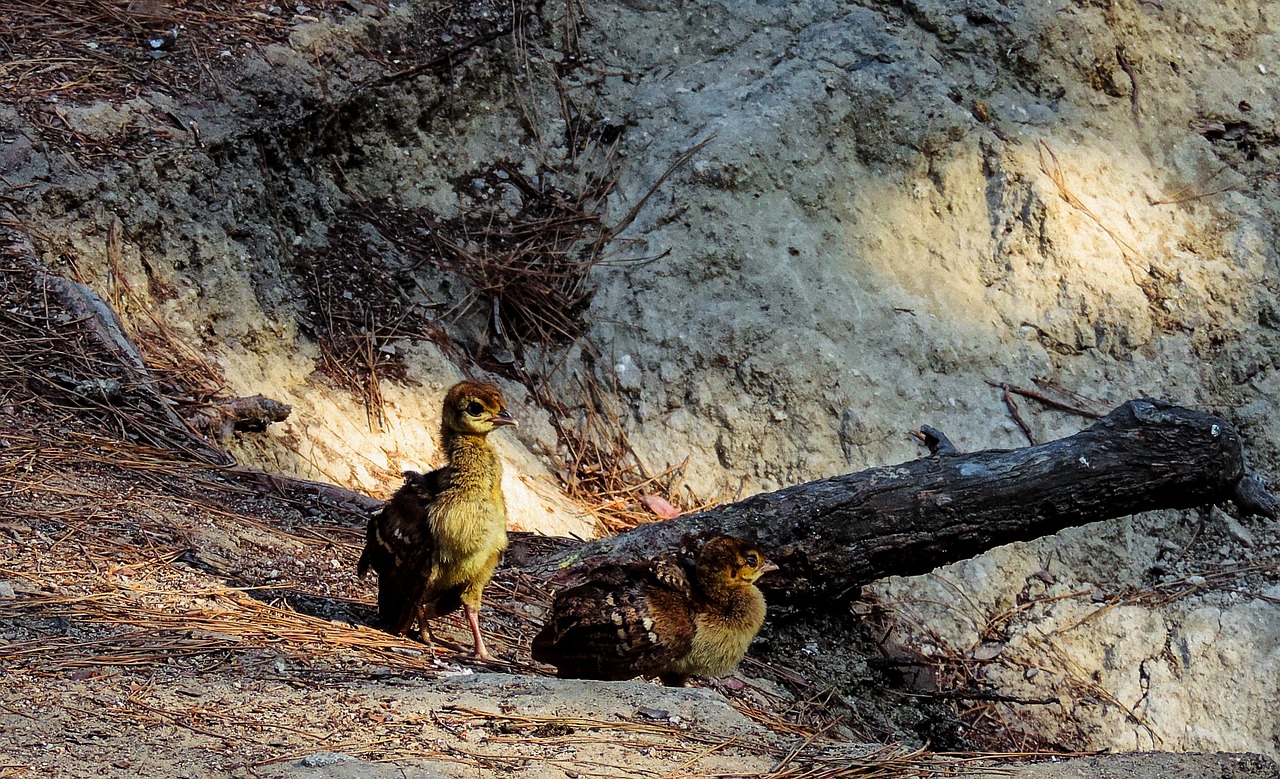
(898, 202)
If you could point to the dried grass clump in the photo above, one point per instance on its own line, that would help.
(63, 347)
(597, 466)
(526, 247)
(359, 314)
(527, 243)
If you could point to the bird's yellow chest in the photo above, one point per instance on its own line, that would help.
(469, 519)
(470, 523)
(720, 640)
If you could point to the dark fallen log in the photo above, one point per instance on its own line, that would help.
(834, 535)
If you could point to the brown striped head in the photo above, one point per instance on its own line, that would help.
(474, 408)
(727, 561)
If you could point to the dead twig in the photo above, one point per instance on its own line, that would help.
(1122, 58)
(1196, 190)
(672, 168)
(1012, 406)
(1052, 168)
(1045, 399)
(981, 695)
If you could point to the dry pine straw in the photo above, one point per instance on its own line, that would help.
(87, 50)
(108, 564)
(599, 469)
(99, 50)
(140, 611)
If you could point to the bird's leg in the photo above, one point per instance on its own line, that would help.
(428, 637)
(473, 618)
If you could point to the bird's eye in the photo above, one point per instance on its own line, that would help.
(753, 559)
(475, 409)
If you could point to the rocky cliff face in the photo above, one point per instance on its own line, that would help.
(901, 202)
(894, 203)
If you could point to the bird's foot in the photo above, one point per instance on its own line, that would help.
(451, 669)
(425, 636)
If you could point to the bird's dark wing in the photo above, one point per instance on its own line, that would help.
(624, 621)
(398, 546)
(384, 548)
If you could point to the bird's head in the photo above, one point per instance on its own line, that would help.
(473, 408)
(732, 561)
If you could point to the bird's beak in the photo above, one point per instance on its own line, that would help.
(767, 567)
(503, 418)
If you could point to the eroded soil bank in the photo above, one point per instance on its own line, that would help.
(896, 203)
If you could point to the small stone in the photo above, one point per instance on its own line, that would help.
(1038, 114)
(325, 759)
(627, 373)
(6, 590)
(989, 650)
(1244, 534)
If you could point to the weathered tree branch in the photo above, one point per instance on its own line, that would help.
(834, 535)
(218, 420)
